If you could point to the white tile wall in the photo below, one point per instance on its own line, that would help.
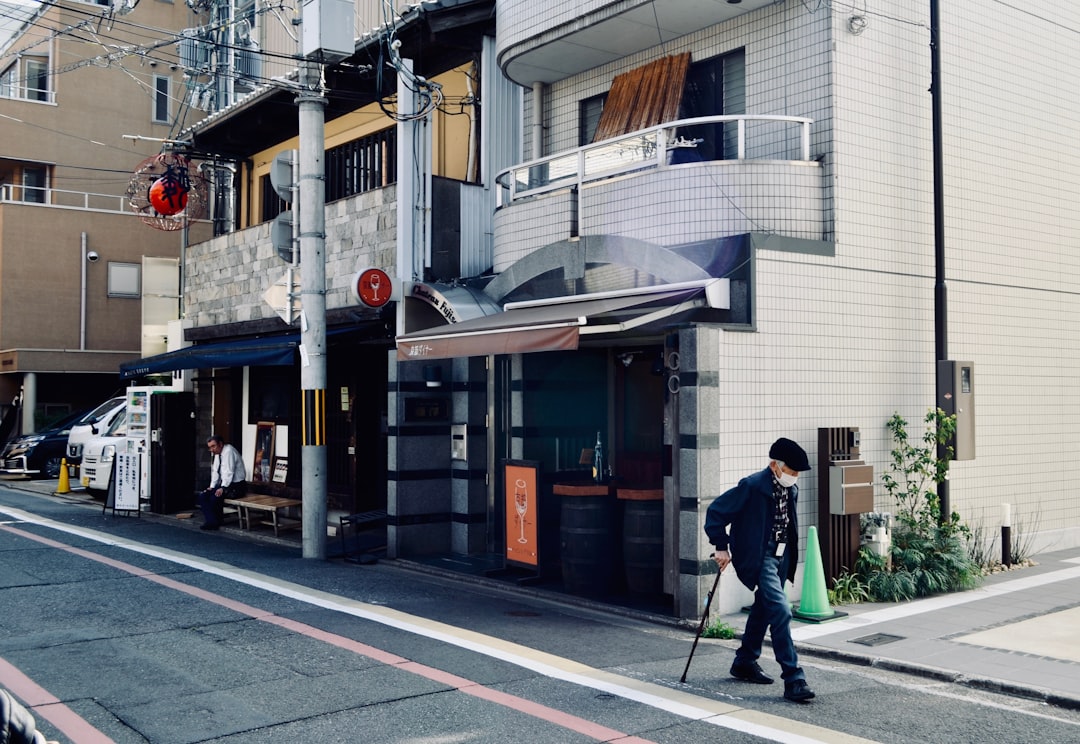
(849, 340)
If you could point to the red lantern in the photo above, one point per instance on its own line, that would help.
(168, 195)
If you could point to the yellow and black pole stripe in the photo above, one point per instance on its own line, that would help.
(314, 417)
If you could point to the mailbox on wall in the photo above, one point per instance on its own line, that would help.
(956, 395)
(851, 489)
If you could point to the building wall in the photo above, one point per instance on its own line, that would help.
(847, 340)
(101, 100)
(228, 275)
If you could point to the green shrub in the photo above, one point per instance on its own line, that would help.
(848, 588)
(929, 551)
(718, 629)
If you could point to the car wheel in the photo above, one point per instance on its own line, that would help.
(52, 467)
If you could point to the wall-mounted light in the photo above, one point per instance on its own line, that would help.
(432, 375)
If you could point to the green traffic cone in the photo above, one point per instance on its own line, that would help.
(814, 604)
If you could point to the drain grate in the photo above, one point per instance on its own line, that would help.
(877, 639)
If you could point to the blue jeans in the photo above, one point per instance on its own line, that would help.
(771, 610)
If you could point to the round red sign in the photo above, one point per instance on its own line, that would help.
(373, 287)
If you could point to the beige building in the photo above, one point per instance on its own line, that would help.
(86, 95)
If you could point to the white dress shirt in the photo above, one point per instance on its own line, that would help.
(227, 468)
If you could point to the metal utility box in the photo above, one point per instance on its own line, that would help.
(956, 395)
(327, 32)
(851, 489)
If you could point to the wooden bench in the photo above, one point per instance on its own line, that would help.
(268, 504)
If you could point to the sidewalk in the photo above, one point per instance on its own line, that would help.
(1018, 634)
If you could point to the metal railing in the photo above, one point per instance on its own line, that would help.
(650, 148)
(45, 197)
(20, 92)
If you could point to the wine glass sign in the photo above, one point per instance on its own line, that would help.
(521, 507)
(521, 502)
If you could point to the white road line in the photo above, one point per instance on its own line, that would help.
(677, 702)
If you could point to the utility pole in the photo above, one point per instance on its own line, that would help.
(941, 295)
(312, 218)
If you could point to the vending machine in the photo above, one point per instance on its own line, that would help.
(158, 459)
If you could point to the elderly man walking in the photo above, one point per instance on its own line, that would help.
(763, 546)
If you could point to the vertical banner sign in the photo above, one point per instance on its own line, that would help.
(522, 499)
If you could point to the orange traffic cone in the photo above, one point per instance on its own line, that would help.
(64, 486)
(814, 604)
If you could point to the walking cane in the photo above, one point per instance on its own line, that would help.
(701, 626)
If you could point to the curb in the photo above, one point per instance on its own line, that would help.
(986, 684)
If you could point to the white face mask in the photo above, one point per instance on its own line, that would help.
(784, 479)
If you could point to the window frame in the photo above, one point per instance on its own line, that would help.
(162, 98)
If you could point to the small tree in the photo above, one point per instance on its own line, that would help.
(928, 554)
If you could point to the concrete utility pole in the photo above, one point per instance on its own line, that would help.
(312, 218)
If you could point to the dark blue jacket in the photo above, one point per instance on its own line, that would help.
(748, 508)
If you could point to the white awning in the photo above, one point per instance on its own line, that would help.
(558, 323)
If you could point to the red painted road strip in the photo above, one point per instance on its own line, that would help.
(461, 684)
(44, 705)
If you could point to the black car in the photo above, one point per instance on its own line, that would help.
(38, 455)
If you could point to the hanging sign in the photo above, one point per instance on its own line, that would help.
(375, 288)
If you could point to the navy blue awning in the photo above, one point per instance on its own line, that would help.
(250, 352)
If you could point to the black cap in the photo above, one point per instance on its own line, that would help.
(790, 453)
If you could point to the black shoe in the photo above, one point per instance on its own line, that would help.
(209, 527)
(798, 691)
(750, 673)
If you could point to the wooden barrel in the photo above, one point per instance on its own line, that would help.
(643, 540)
(587, 544)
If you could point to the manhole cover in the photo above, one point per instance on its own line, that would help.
(877, 639)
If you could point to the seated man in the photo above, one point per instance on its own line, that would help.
(227, 477)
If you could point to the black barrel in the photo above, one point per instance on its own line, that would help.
(587, 544)
(643, 545)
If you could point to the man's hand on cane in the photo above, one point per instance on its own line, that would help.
(722, 558)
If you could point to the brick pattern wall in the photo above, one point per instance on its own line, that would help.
(227, 276)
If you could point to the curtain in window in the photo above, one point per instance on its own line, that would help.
(644, 97)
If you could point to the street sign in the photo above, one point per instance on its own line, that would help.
(281, 175)
(277, 297)
(281, 236)
(375, 288)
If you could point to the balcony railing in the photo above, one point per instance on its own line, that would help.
(45, 197)
(652, 148)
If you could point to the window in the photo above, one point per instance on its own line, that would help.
(362, 165)
(124, 280)
(27, 78)
(589, 112)
(715, 86)
(271, 392)
(162, 85)
(37, 79)
(35, 186)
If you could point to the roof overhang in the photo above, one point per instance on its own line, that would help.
(603, 36)
(557, 324)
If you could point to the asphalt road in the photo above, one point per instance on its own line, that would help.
(130, 630)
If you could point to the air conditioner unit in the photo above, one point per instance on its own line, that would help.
(249, 64)
(193, 50)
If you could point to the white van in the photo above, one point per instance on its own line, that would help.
(99, 453)
(96, 422)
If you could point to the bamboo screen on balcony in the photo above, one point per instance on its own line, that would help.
(644, 97)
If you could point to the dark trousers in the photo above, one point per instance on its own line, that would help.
(213, 507)
(771, 610)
